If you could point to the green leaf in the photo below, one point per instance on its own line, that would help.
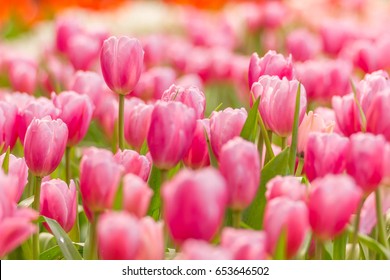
(213, 159)
(5, 165)
(301, 255)
(118, 200)
(294, 137)
(360, 108)
(339, 245)
(55, 253)
(66, 245)
(27, 202)
(253, 215)
(281, 245)
(249, 130)
(155, 181)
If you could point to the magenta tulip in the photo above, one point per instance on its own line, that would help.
(136, 195)
(8, 125)
(347, 114)
(378, 115)
(288, 186)
(198, 154)
(134, 163)
(18, 173)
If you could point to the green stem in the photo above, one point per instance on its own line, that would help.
(318, 249)
(267, 140)
(35, 206)
(284, 143)
(299, 167)
(121, 121)
(67, 164)
(260, 148)
(236, 216)
(380, 220)
(92, 248)
(356, 229)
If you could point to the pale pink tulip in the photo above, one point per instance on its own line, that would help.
(134, 163)
(18, 171)
(288, 186)
(136, 195)
(152, 240)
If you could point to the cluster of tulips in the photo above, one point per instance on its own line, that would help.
(116, 148)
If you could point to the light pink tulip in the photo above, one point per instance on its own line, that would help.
(121, 60)
(8, 125)
(136, 195)
(239, 163)
(245, 244)
(65, 28)
(190, 80)
(364, 161)
(277, 103)
(335, 34)
(198, 154)
(59, 202)
(274, 14)
(303, 45)
(18, 172)
(325, 153)
(76, 111)
(23, 75)
(194, 204)
(43, 159)
(152, 240)
(288, 186)
(119, 236)
(347, 114)
(83, 50)
(364, 55)
(224, 126)
(193, 249)
(378, 117)
(170, 134)
(107, 114)
(290, 217)
(134, 163)
(332, 201)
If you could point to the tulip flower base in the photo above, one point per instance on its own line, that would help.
(256, 131)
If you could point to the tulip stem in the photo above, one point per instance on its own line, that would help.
(380, 221)
(284, 143)
(236, 217)
(356, 229)
(92, 248)
(298, 172)
(121, 121)
(318, 249)
(35, 206)
(67, 164)
(260, 148)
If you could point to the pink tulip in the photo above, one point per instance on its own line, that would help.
(364, 55)
(364, 161)
(18, 173)
(15, 224)
(239, 163)
(335, 34)
(44, 145)
(137, 123)
(378, 116)
(288, 186)
(107, 114)
(272, 64)
(99, 179)
(225, 125)
(329, 117)
(83, 50)
(347, 114)
(386, 165)
(59, 202)
(245, 244)
(325, 153)
(194, 204)
(8, 125)
(170, 134)
(303, 45)
(191, 96)
(76, 112)
(277, 103)
(274, 14)
(65, 28)
(193, 249)
(290, 217)
(332, 201)
(190, 80)
(134, 163)
(198, 154)
(152, 240)
(23, 75)
(136, 195)
(119, 236)
(122, 62)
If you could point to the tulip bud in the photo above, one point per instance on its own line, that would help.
(194, 204)
(332, 201)
(134, 163)
(8, 125)
(170, 134)
(239, 163)
(288, 186)
(347, 114)
(152, 240)
(303, 45)
(136, 195)
(59, 202)
(119, 236)
(83, 50)
(225, 125)
(44, 145)
(198, 154)
(17, 169)
(325, 153)
(378, 116)
(23, 75)
(121, 60)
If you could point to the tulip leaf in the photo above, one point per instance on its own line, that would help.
(281, 246)
(27, 202)
(294, 137)
(213, 159)
(118, 200)
(301, 255)
(66, 245)
(253, 215)
(155, 181)
(249, 130)
(339, 245)
(5, 165)
(55, 253)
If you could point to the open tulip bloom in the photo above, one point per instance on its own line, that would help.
(197, 135)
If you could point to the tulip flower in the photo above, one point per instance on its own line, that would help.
(303, 45)
(134, 163)
(288, 186)
(332, 201)
(136, 195)
(59, 202)
(151, 246)
(198, 154)
(194, 204)
(193, 249)
(378, 115)
(83, 50)
(18, 173)
(170, 134)
(8, 125)
(347, 114)
(23, 75)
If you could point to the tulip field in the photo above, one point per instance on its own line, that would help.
(195, 130)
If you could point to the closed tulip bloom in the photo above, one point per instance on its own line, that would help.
(303, 45)
(288, 186)
(194, 204)
(290, 217)
(136, 195)
(245, 244)
(118, 236)
(137, 123)
(277, 103)
(65, 28)
(239, 163)
(23, 75)
(121, 61)
(193, 249)
(152, 240)
(44, 145)
(224, 126)
(76, 112)
(134, 163)
(8, 125)
(364, 161)
(386, 165)
(59, 202)
(378, 117)
(198, 154)
(99, 179)
(190, 96)
(170, 134)
(272, 64)
(347, 114)
(325, 153)
(18, 171)
(83, 50)
(332, 202)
